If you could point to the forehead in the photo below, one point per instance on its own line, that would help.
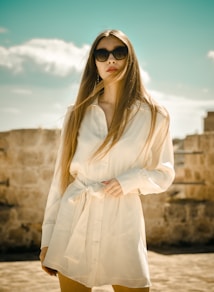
(109, 42)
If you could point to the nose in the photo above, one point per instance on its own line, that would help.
(111, 58)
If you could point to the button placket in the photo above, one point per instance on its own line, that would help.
(96, 235)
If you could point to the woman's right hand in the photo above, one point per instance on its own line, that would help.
(42, 255)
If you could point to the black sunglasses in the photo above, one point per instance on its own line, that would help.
(119, 53)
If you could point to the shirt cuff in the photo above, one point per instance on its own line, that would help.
(129, 180)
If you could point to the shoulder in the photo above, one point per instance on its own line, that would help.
(70, 108)
(144, 107)
(152, 113)
(67, 114)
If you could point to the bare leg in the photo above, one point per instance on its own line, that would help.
(68, 285)
(126, 289)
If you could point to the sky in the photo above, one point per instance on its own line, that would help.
(44, 46)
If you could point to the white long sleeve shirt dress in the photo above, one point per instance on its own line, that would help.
(97, 239)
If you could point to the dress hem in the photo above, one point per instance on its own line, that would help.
(114, 281)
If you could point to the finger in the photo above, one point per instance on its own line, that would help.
(115, 191)
(113, 186)
(105, 182)
(50, 271)
(110, 184)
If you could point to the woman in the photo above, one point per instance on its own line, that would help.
(115, 145)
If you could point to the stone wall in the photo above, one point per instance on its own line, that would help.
(209, 122)
(184, 214)
(199, 167)
(26, 165)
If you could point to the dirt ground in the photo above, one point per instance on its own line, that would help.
(170, 272)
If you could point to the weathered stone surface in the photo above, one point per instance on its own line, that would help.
(27, 160)
(185, 213)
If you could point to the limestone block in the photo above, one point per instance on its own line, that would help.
(196, 192)
(175, 212)
(51, 137)
(4, 214)
(188, 174)
(27, 177)
(210, 159)
(209, 211)
(156, 235)
(4, 142)
(203, 228)
(192, 143)
(154, 211)
(50, 156)
(27, 215)
(3, 154)
(210, 193)
(205, 142)
(30, 158)
(19, 237)
(29, 197)
(202, 160)
(36, 230)
(46, 173)
(26, 137)
(209, 176)
(195, 210)
(197, 175)
(192, 159)
(211, 137)
(179, 233)
(4, 175)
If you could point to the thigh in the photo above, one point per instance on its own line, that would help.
(126, 289)
(68, 285)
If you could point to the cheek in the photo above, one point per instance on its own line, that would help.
(100, 70)
(122, 64)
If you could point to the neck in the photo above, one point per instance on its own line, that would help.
(109, 95)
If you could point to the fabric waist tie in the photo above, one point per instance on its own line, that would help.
(86, 192)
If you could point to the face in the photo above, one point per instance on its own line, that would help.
(112, 64)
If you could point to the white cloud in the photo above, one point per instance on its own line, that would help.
(53, 56)
(186, 114)
(9, 60)
(3, 30)
(145, 76)
(182, 104)
(211, 55)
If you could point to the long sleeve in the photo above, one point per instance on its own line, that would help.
(54, 196)
(152, 180)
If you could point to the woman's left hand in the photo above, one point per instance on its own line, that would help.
(42, 255)
(113, 188)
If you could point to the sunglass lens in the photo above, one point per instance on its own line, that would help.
(120, 53)
(101, 55)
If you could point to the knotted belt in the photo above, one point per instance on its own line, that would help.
(84, 193)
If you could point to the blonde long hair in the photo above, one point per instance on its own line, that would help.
(130, 90)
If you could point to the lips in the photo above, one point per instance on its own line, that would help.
(111, 69)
